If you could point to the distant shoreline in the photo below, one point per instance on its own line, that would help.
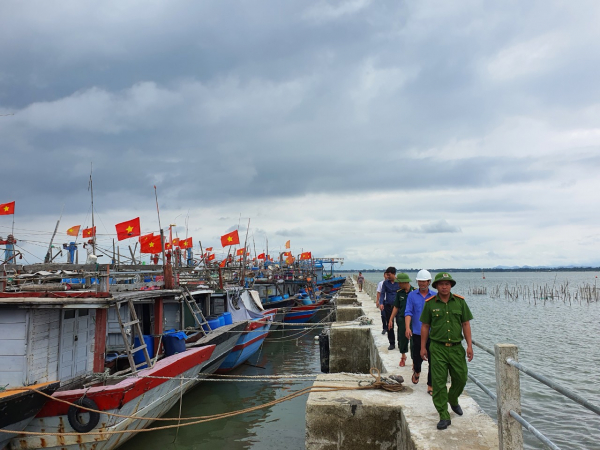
(524, 269)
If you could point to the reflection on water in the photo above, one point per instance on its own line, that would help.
(281, 426)
(556, 339)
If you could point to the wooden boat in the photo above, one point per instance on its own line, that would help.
(19, 407)
(141, 398)
(304, 313)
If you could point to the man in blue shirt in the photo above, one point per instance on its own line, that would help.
(386, 302)
(414, 307)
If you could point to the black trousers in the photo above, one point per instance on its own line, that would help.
(387, 313)
(417, 360)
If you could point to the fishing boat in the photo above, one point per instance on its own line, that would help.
(140, 399)
(80, 337)
(245, 305)
(18, 407)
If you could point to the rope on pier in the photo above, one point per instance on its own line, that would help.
(379, 383)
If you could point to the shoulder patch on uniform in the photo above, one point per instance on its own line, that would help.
(427, 299)
(459, 296)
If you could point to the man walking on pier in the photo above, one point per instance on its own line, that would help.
(414, 307)
(386, 302)
(360, 279)
(447, 316)
(403, 281)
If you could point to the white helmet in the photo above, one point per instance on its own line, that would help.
(423, 275)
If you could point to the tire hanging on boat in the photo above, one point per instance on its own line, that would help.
(74, 419)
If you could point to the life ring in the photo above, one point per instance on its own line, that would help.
(75, 420)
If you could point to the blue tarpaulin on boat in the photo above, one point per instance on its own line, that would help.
(176, 334)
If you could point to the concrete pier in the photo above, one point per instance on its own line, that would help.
(377, 419)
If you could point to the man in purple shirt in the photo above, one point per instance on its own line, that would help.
(414, 307)
(386, 302)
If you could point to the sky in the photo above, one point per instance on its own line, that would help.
(419, 134)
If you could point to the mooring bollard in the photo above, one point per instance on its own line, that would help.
(508, 392)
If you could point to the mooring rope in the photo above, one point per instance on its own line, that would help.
(390, 386)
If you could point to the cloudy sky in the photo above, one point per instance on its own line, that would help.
(414, 133)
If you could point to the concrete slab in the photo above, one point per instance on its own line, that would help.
(378, 419)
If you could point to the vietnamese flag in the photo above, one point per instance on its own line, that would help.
(168, 245)
(208, 249)
(151, 244)
(287, 244)
(145, 238)
(239, 252)
(287, 254)
(89, 232)
(305, 255)
(73, 231)
(185, 243)
(223, 263)
(128, 229)
(232, 238)
(289, 260)
(176, 242)
(7, 208)
(261, 256)
(211, 257)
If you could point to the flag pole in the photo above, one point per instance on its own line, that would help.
(243, 280)
(162, 237)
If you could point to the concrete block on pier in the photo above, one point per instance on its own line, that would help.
(345, 300)
(348, 313)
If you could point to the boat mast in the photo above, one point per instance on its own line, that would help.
(48, 257)
(91, 187)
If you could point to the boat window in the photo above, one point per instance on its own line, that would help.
(69, 314)
(83, 312)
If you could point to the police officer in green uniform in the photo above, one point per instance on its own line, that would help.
(403, 281)
(448, 316)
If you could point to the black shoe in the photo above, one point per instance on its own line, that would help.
(391, 347)
(457, 409)
(443, 424)
(384, 332)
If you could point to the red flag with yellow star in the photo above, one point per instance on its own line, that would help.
(89, 232)
(7, 208)
(151, 244)
(305, 255)
(261, 256)
(128, 229)
(185, 243)
(209, 249)
(239, 252)
(73, 231)
(211, 257)
(232, 238)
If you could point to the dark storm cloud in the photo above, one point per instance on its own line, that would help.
(223, 101)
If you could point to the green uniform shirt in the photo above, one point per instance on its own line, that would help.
(446, 319)
(400, 301)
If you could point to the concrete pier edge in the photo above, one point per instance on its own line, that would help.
(375, 418)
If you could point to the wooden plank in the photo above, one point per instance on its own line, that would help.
(12, 316)
(12, 348)
(12, 364)
(13, 331)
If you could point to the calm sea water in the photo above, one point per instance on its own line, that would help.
(279, 427)
(555, 339)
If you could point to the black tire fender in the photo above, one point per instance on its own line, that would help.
(74, 419)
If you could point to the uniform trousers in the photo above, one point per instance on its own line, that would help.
(446, 360)
(402, 341)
